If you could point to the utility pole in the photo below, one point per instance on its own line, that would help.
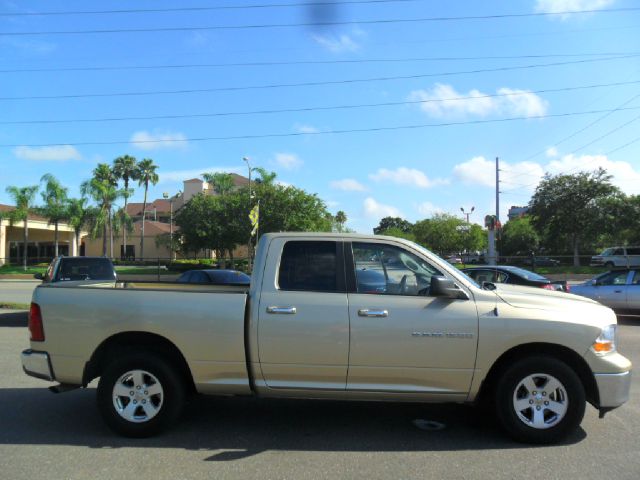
(497, 189)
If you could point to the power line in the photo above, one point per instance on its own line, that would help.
(310, 109)
(318, 24)
(623, 146)
(308, 84)
(589, 125)
(201, 9)
(310, 62)
(324, 132)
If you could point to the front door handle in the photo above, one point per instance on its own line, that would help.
(365, 312)
(282, 310)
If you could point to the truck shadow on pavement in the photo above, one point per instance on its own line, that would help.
(229, 429)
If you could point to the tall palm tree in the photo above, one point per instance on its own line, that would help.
(78, 215)
(146, 175)
(125, 168)
(266, 177)
(55, 204)
(103, 189)
(23, 198)
(222, 183)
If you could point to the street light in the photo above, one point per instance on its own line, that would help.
(466, 214)
(246, 159)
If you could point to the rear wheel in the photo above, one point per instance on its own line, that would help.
(609, 265)
(540, 400)
(140, 395)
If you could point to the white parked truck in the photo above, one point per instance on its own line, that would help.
(333, 316)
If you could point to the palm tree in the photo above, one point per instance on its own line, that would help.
(222, 183)
(266, 177)
(55, 204)
(103, 189)
(23, 198)
(340, 220)
(146, 175)
(125, 168)
(78, 215)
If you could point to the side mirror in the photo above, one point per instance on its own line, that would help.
(38, 276)
(445, 287)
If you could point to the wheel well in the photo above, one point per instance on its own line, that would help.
(559, 352)
(121, 343)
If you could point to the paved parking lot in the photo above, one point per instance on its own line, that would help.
(43, 435)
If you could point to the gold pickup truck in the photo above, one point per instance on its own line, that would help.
(330, 316)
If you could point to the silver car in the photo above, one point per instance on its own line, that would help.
(618, 289)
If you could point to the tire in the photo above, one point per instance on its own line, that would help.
(140, 395)
(551, 413)
(609, 265)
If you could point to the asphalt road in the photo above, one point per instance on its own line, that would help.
(44, 435)
(17, 291)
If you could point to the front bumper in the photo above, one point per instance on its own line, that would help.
(37, 364)
(613, 388)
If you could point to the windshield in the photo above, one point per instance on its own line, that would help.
(607, 252)
(527, 274)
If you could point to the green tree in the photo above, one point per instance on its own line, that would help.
(55, 198)
(519, 237)
(444, 234)
(146, 175)
(222, 183)
(23, 197)
(339, 221)
(569, 208)
(78, 216)
(103, 189)
(125, 168)
(399, 233)
(393, 222)
(265, 176)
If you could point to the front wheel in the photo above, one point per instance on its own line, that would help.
(140, 395)
(540, 400)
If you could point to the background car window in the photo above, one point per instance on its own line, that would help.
(390, 270)
(636, 278)
(614, 278)
(309, 266)
(488, 275)
(79, 268)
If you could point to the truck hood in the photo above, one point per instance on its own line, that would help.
(540, 298)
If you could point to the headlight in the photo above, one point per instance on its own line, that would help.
(606, 341)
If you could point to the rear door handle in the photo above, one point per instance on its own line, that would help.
(365, 312)
(282, 310)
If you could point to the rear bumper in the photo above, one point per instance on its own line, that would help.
(37, 364)
(613, 388)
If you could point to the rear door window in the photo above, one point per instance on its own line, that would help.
(310, 266)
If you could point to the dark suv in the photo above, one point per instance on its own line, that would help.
(85, 269)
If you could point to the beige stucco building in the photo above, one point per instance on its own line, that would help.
(40, 246)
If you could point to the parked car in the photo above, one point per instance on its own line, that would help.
(79, 269)
(218, 277)
(617, 289)
(513, 275)
(305, 329)
(454, 259)
(617, 257)
(540, 261)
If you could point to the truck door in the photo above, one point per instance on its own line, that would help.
(402, 339)
(611, 289)
(303, 329)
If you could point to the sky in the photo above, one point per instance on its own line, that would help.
(380, 107)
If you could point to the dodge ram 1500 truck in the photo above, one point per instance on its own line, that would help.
(333, 316)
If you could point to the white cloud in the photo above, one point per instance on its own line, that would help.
(181, 175)
(556, 6)
(375, 210)
(158, 140)
(624, 174)
(551, 152)
(305, 128)
(523, 177)
(342, 42)
(405, 176)
(58, 153)
(332, 203)
(288, 161)
(428, 209)
(444, 101)
(480, 171)
(348, 185)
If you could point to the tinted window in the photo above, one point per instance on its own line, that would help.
(636, 278)
(613, 278)
(491, 276)
(309, 266)
(387, 269)
(527, 274)
(633, 251)
(80, 268)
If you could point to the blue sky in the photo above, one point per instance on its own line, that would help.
(387, 169)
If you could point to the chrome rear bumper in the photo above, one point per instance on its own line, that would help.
(37, 364)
